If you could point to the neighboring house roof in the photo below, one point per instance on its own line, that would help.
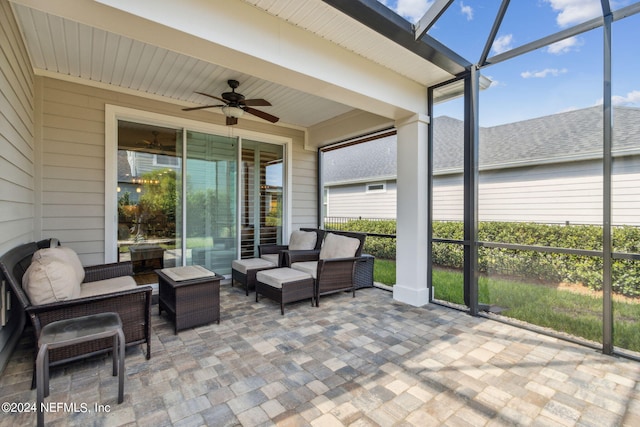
(569, 136)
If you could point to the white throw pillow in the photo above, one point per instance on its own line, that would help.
(65, 254)
(303, 240)
(336, 246)
(50, 279)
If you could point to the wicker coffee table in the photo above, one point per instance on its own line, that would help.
(190, 303)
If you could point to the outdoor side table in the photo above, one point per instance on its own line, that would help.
(190, 302)
(75, 331)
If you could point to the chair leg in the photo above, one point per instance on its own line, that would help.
(121, 347)
(114, 355)
(40, 382)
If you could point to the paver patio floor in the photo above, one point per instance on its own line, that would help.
(360, 362)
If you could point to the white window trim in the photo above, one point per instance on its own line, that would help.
(113, 113)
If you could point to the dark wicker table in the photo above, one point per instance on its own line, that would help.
(189, 303)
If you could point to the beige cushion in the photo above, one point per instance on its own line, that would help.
(303, 240)
(101, 287)
(50, 279)
(65, 254)
(336, 246)
(243, 265)
(309, 267)
(272, 258)
(279, 276)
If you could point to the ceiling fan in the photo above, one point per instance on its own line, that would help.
(235, 105)
(155, 143)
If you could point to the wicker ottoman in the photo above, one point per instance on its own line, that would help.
(245, 270)
(284, 285)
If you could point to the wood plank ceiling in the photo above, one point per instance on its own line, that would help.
(64, 47)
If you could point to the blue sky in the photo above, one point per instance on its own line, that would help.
(562, 77)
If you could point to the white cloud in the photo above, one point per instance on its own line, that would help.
(411, 10)
(564, 46)
(572, 12)
(467, 11)
(502, 44)
(544, 73)
(632, 98)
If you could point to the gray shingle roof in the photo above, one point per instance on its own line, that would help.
(569, 136)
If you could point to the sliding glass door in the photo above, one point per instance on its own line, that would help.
(211, 200)
(262, 191)
(185, 198)
(149, 209)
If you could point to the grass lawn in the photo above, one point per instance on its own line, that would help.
(558, 309)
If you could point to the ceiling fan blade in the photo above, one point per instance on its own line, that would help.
(201, 107)
(268, 117)
(211, 96)
(232, 121)
(257, 103)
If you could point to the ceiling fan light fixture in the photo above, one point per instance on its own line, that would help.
(230, 111)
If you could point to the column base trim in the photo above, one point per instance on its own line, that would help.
(411, 295)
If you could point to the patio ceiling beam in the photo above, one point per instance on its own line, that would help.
(384, 21)
(430, 17)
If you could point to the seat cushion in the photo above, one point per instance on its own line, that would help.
(50, 279)
(303, 240)
(243, 265)
(272, 258)
(336, 246)
(278, 277)
(107, 286)
(309, 267)
(64, 254)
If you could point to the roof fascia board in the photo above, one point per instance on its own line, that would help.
(430, 17)
(267, 47)
(386, 22)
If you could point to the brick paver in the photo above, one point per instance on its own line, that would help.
(360, 362)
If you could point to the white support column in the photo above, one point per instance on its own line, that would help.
(412, 205)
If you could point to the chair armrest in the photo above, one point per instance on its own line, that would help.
(289, 257)
(107, 271)
(42, 315)
(271, 249)
(336, 273)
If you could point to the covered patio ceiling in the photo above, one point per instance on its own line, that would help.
(313, 62)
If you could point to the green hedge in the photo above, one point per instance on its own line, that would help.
(380, 247)
(543, 266)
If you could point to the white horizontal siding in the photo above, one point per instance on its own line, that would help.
(305, 188)
(353, 201)
(17, 158)
(570, 192)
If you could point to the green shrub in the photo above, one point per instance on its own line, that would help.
(532, 264)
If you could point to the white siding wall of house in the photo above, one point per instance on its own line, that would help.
(17, 156)
(73, 162)
(554, 194)
(17, 162)
(344, 200)
(304, 187)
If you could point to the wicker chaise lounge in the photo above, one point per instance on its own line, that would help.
(132, 305)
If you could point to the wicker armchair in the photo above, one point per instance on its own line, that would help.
(281, 250)
(331, 274)
(133, 306)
